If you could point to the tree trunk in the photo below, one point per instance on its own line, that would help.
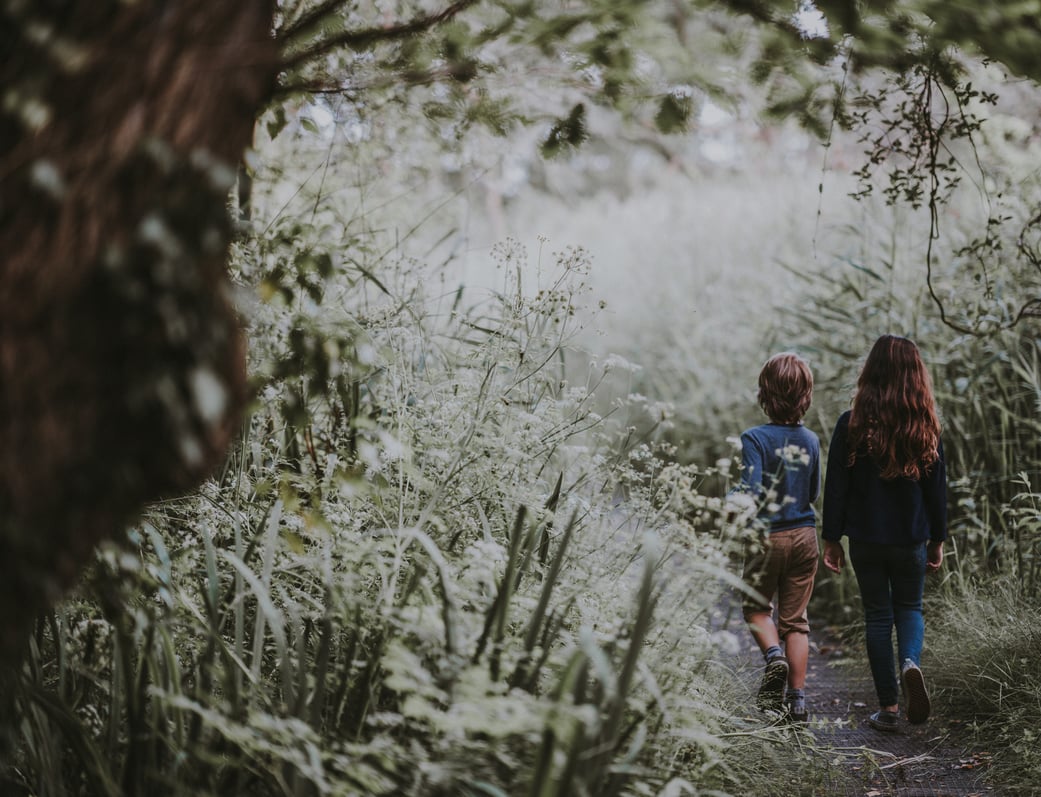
(121, 357)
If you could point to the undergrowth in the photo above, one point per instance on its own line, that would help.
(986, 643)
(414, 576)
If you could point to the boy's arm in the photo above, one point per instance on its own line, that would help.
(751, 467)
(743, 499)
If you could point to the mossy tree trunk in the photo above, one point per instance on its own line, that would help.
(121, 358)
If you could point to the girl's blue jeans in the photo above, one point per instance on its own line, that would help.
(891, 580)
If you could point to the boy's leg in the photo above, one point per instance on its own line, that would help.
(797, 648)
(771, 690)
(793, 596)
(797, 651)
(763, 629)
(761, 574)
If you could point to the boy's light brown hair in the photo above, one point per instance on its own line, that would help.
(785, 388)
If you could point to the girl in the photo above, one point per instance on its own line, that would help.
(885, 489)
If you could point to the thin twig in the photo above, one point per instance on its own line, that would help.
(934, 137)
(351, 92)
(358, 39)
(309, 19)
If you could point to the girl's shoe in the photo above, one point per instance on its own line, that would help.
(917, 696)
(887, 721)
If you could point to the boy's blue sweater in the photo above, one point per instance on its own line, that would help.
(859, 503)
(785, 459)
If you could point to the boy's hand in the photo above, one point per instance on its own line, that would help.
(834, 556)
(933, 557)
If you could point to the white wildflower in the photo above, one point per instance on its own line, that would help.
(617, 362)
(793, 454)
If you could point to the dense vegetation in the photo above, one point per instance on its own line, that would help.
(415, 573)
(470, 538)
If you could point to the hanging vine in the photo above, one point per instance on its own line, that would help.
(916, 126)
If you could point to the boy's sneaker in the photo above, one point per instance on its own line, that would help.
(797, 711)
(915, 693)
(886, 721)
(771, 691)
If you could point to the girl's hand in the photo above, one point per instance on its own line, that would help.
(834, 556)
(933, 557)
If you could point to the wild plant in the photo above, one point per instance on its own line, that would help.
(985, 658)
(414, 575)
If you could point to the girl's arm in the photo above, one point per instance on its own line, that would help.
(933, 556)
(934, 493)
(815, 473)
(834, 556)
(836, 484)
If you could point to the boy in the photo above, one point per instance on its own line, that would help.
(781, 473)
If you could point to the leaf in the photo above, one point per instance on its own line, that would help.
(566, 133)
(277, 123)
(673, 113)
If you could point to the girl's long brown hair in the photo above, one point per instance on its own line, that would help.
(894, 413)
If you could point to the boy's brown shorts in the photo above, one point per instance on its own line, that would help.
(784, 568)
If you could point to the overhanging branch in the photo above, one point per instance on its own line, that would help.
(357, 39)
(309, 19)
(424, 77)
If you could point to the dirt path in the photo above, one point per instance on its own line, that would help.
(932, 759)
(928, 759)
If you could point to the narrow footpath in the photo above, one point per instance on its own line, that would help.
(930, 760)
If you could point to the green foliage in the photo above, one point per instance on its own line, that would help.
(410, 578)
(414, 575)
(566, 133)
(468, 68)
(697, 299)
(985, 644)
(465, 41)
(673, 113)
(986, 388)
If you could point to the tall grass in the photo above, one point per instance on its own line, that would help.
(411, 577)
(984, 654)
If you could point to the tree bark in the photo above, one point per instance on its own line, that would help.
(121, 357)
